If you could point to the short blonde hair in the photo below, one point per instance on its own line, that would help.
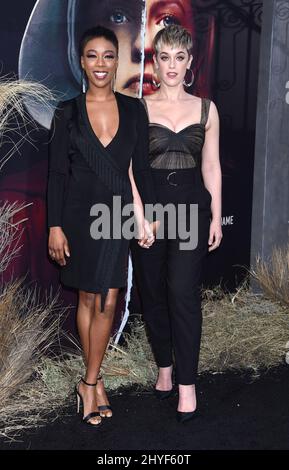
(174, 36)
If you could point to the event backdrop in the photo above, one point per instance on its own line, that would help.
(39, 40)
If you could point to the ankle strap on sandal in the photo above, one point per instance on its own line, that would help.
(99, 377)
(86, 383)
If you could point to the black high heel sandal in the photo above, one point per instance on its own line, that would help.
(79, 400)
(104, 407)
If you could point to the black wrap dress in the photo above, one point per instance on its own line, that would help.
(84, 172)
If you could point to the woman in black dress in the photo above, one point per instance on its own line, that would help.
(184, 156)
(98, 150)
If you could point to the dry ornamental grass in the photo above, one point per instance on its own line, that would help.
(16, 124)
(273, 275)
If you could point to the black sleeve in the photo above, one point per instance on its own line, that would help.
(140, 161)
(58, 166)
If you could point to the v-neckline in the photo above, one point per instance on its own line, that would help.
(90, 128)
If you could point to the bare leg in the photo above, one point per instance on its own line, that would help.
(85, 311)
(99, 335)
(187, 398)
(164, 381)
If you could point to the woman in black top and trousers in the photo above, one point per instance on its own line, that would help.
(98, 150)
(184, 156)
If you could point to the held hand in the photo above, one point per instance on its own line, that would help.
(148, 237)
(58, 245)
(150, 230)
(215, 236)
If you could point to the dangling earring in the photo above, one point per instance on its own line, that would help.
(83, 81)
(155, 84)
(114, 82)
(192, 79)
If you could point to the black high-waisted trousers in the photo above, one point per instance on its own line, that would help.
(168, 278)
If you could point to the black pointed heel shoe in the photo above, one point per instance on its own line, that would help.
(163, 394)
(86, 419)
(184, 416)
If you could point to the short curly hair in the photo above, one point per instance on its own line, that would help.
(174, 36)
(97, 32)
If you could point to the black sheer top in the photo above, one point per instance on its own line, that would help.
(177, 150)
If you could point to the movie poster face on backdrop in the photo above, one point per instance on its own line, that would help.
(226, 49)
(135, 22)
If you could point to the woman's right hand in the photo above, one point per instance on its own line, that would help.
(58, 245)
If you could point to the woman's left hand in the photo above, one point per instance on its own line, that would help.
(216, 235)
